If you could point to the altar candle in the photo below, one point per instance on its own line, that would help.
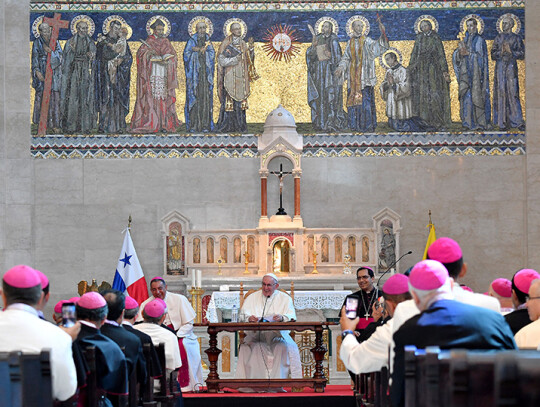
(193, 271)
(199, 278)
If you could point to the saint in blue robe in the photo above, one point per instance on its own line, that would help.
(112, 86)
(325, 91)
(199, 68)
(472, 72)
(39, 64)
(507, 111)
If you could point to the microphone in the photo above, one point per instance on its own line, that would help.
(262, 316)
(390, 268)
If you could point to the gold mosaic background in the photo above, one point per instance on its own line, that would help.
(286, 83)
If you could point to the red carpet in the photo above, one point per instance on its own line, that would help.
(329, 391)
(308, 398)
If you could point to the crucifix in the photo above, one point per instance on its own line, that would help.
(56, 24)
(281, 174)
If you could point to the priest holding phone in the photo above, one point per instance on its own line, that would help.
(367, 297)
(268, 354)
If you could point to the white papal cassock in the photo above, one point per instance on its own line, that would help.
(181, 316)
(268, 354)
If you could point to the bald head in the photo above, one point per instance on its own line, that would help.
(533, 300)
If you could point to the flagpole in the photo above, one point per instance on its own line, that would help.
(129, 221)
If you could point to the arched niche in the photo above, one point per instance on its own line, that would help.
(175, 229)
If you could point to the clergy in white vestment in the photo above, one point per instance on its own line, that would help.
(21, 329)
(154, 314)
(268, 354)
(180, 316)
(396, 91)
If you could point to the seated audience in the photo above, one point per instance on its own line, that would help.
(448, 252)
(372, 354)
(501, 288)
(113, 329)
(443, 322)
(528, 337)
(154, 315)
(520, 287)
(21, 329)
(130, 314)
(111, 366)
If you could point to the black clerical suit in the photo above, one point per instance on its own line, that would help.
(132, 349)
(517, 319)
(448, 324)
(111, 366)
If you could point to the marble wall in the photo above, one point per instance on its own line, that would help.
(65, 217)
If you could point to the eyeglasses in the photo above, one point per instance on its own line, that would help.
(531, 298)
(363, 277)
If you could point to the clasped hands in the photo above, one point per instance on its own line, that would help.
(275, 318)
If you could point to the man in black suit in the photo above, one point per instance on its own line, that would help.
(520, 287)
(113, 329)
(130, 314)
(443, 322)
(111, 366)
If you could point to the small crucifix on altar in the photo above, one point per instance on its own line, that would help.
(281, 174)
(56, 23)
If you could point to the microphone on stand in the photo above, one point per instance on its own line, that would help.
(390, 268)
(262, 316)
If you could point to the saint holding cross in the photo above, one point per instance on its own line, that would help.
(47, 72)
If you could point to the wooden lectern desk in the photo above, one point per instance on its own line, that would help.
(317, 382)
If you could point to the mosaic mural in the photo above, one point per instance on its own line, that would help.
(197, 79)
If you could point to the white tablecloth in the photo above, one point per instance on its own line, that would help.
(302, 300)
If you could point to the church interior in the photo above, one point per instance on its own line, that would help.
(213, 212)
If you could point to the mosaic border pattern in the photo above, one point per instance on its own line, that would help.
(245, 146)
(264, 6)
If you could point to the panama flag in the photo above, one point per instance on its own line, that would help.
(129, 275)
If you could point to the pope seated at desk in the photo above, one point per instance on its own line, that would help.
(268, 354)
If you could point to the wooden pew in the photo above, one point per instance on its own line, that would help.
(475, 378)
(25, 380)
(167, 394)
(147, 391)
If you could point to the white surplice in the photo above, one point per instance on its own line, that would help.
(181, 316)
(268, 354)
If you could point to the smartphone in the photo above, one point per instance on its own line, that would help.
(351, 305)
(69, 316)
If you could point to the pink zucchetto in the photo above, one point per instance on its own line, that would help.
(74, 300)
(22, 277)
(445, 250)
(131, 303)
(92, 300)
(396, 284)
(467, 288)
(502, 287)
(43, 278)
(428, 275)
(58, 306)
(523, 279)
(155, 308)
(157, 278)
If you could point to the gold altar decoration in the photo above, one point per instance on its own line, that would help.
(196, 302)
(246, 262)
(340, 366)
(219, 263)
(83, 287)
(315, 254)
(226, 354)
(306, 341)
